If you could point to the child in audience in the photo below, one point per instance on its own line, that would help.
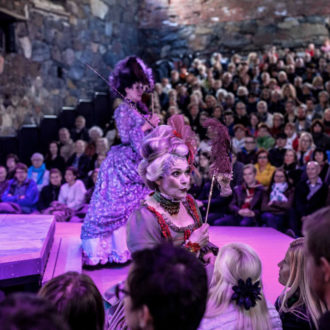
(236, 299)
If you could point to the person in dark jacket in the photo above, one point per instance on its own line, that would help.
(291, 166)
(53, 158)
(80, 131)
(276, 154)
(321, 140)
(245, 205)
(79, 160)
(50, 192)
(310, 195)
(248, 155)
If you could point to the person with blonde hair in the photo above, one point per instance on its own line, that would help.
(298, 307)
(306, 148)
(236, 299)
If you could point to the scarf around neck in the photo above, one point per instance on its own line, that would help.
(277, 194)
(41, 171)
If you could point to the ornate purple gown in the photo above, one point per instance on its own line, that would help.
(118, 192)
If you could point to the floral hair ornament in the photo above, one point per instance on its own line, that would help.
(246, 294)
(184, 132)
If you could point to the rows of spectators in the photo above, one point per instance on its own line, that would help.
(60, 182)
(276, 108)
(277, 111)
(167, 288)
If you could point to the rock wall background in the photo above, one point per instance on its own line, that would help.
(47, 71)
(173, 27)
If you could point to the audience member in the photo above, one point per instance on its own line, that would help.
(38, 172)
(246, 202)
(11, 162)
(291, 166)
(311, 194)
(263, 114)
(236, 299)
(292, 139)
(297, 305)
(320, 139)
(264, 138)
(79, 132)
(3, 180)
(94, 133)
(50, 192)
(72, 193)
(277, 201)
(166, 288)
(305, 148)
(91, 185)
(253, 124)
(21, 194)
(248, 155)
(79, 160)
(239, 138)
(278, 124)
(276, 154)
(320, 156)
(25, 311)
(77, 299)
(302, 123)
(317, 247)
(264, 168)
(53, 158)
(66, 143)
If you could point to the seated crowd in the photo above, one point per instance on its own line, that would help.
(167, 287)
(276, 108)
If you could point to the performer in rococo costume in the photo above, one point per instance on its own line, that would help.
(169, 212)
(119, 188)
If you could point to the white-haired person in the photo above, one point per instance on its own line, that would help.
(298, 307)
(169, 212)
(37, 171)
(236, 300)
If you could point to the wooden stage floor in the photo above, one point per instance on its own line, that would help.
(270, 245)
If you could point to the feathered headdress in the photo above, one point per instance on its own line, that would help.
(221, 146)
(184, 132)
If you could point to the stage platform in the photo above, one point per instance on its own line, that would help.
(25, 244)
(65, 252)
(270, 245)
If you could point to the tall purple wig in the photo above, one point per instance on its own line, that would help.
(129, 71)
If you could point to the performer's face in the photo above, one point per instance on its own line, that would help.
(175, 183)
(135, 92)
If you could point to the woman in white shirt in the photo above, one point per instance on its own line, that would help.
(236, 300)
(72, 193)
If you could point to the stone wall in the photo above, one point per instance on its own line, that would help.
(59, 36)
(174, 27)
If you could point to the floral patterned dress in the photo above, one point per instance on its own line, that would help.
(118, 192)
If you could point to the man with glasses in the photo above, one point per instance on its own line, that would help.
(248, 153)
(166, 288)
(21, 195)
